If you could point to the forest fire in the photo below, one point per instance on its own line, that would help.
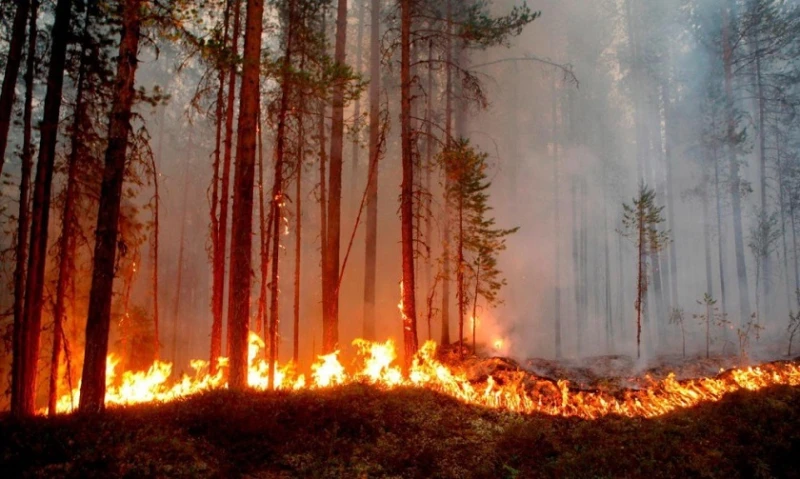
(516, 392)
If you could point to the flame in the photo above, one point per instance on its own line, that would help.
(498, 344)
(516, 391)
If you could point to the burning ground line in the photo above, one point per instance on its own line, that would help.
(517, 391)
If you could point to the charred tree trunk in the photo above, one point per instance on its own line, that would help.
(298, 240)
(25, 366)
(219, 282)
(65, 271)
(330, 289)
(93, 383)
(217, 226)
(371, 235)
(13, 61)
(263, 237)
(23, 218)
(277, 188)
(409, 312)
(242, 222)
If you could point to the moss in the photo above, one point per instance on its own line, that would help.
(361, 431)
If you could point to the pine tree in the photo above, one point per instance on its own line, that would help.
(477, 240)
(640, 222)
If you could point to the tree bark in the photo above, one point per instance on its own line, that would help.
(735, 182)
(242, 222)
(13, 61)
(218, 228)
(93, 383)
(25, 366)
(371, 235)
(65, 270)
(448, 121)
(409, 312)
(357, 108)
(23, 218)
(176, 311)
(330, 289)
(216, 328)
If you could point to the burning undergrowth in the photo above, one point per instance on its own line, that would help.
(495, 383)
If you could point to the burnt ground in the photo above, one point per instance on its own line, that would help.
(360, 431)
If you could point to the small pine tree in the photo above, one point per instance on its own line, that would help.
(640, 224)
(709, 317)
(478, 240)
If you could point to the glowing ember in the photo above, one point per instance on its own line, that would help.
(516, 391)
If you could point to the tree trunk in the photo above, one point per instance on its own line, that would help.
(735, 182)
(277, 189)
(218, 226)
(429, 281)
(448, 121)
(720, 237)
(460, 267)
(263, 237)
(330, 289)
(762, 166)
(409, 311)
(216, 329)
(707, 236)
(362, 4)
(668, 158)
(156, 233)
(13, 61)
(23, 218)
(576, 276)
(556, 217)
(641, 281)
(371, 235)
(93, 382)
(65, 260)
(298, 243)
(176, 311)
(25, 366)
(242, 222)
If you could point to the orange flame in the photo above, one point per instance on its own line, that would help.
(516, 391)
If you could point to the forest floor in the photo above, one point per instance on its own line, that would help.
(361, 431)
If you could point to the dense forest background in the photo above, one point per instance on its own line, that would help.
(568, 108)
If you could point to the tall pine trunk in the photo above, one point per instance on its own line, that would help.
(409, 311)
(65, 260)
(13, 61)
(25, 366)
(176, 308)
(556, 216)
(371, 235)
(216, 328)
(23, 218)
(735, 181)
(242, 222)
(362, 4)
(720, 237)
(448, 121)
(93, 382)
(217, 227)
(330, 280)
(277, 188)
